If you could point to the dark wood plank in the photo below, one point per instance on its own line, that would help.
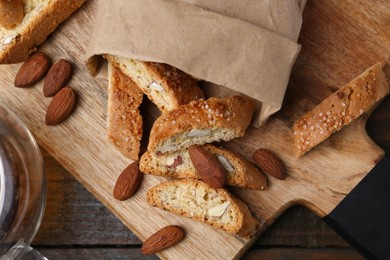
(298, 253)
(74, 216)
(93, 253)
(258, 253)
(299, 227)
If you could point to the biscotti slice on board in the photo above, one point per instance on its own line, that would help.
(166, 86)
(201, 122)
(340, 108)
(40, 18)
(240, 172)
(124, 121)
(197, 200)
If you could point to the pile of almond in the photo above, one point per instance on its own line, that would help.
(57, 76)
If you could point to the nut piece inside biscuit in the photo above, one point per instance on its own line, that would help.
(198, 133)
(219, 210)
(157, 87)
(175, 162)
(8, 40)
(167, 147)
(225, 163)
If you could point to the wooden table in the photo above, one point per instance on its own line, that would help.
(77, 226)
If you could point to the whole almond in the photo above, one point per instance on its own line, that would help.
(207, 166)
(162, 239)
(61, 106)
(269, 163)
(128, 182)
(32, 71)
(57, 77)
(11, 13)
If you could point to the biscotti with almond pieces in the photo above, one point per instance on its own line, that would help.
(200, 122)
(124, 121)
(340, 108)
(240, 172)
(166, 86)
(41, 17)
(196, 200)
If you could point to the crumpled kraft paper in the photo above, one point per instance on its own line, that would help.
(247, 46)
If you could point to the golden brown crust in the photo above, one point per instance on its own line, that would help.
(37, 30)
(182, 86)
(165, 86)
(340, 109)
(124, 121)
(240, 172)
(232, 114)
(249, 223)
(241, 223)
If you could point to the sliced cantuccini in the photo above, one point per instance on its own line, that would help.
(195, 199)
(200, 122)
(166, 86)
(124, 121)
(240, 172)
(340, 108)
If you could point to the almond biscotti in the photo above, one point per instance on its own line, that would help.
(340, 108)
(19, 38)
(166, 86)
(195, 199)
(124, 121)
(200, 122)
(240, 172)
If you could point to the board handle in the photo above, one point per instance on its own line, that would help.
(363, 217)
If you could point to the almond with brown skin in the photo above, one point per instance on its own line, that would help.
(269, 163)
(57, 77)
(61, 106)
(207, 166)
(162, 239)
(11, 13)
(32, 71)
(128, 182)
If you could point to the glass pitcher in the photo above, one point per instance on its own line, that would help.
(22, 188)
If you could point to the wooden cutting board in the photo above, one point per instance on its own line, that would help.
(340, 39)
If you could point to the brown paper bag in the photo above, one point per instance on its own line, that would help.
(283, 17)
(221, 41)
